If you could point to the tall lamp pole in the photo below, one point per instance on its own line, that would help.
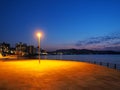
(39, 36)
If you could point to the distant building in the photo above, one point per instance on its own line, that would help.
(12, 51)
(21, 49)
(31, 50)
(4, 48)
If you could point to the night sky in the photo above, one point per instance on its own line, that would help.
(80, 24)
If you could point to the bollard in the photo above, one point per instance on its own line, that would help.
(107, 64)
(100, 63)
(115, 66)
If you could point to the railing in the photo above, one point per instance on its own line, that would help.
(109, 65)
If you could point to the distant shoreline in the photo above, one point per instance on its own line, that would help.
(82, 51)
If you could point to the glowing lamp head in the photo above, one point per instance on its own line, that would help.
(39, 34)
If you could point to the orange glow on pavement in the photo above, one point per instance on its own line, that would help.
(56, 75)
(43, 65)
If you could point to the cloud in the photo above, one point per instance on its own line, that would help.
(116, 43)
(104, 42)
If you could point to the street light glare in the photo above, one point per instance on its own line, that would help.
(39, 34)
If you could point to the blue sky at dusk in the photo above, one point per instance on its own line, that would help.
(81, 24)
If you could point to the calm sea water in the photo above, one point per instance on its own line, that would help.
(115, 59)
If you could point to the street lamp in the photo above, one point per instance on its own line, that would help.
(39, 34)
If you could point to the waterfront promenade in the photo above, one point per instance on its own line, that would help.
(56, 75)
